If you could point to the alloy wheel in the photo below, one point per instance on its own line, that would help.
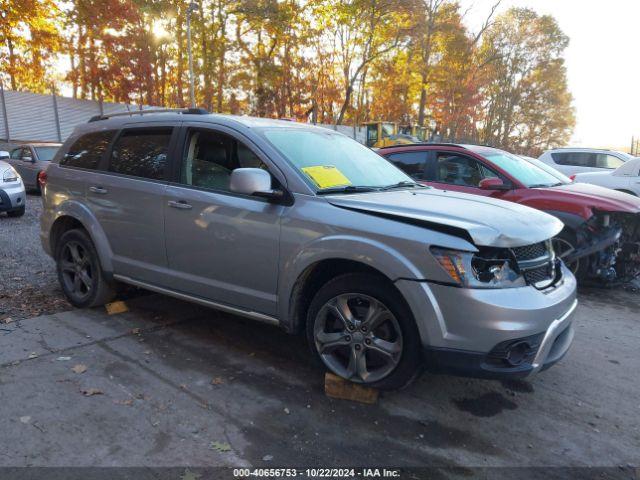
(358, 338)
(77, 274)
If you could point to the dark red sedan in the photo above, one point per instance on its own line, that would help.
(601, 239)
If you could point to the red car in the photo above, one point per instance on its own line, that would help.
(601, 239)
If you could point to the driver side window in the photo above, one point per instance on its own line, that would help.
(211, 156)
(460, 170)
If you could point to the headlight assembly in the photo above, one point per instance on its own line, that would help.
(10, 175)
(490, 269)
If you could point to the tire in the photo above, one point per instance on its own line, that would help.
(79, 271)
(16, 213)
(567, 239)
(343, 346)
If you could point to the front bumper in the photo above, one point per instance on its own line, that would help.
(545, 350)
(12, 196)
(473, 331)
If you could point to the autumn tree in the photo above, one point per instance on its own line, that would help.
(527, 104)
(29, 41)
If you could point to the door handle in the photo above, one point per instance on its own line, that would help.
(182, 205)
(99, 190)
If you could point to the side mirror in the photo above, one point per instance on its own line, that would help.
(4, 155)
(493, 184)
(27, 159)
(253, 181)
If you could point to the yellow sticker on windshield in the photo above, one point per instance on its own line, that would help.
(326, 176)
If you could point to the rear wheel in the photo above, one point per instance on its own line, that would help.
(79, 271)
(360, 328)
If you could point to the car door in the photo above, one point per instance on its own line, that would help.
(571, 163)
(449, 170)
(221, 246)
(127, 197)
(413, 163)
(29, 167)
(20, 158)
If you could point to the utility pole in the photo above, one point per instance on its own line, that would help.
(192, 97)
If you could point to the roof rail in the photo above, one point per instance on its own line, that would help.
(418, 144)
(184, 111)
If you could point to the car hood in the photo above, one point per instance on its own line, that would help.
(595, 196)
(487, 221)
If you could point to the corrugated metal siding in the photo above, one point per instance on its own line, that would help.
(3, 133)
(72, 111)
(31, 116)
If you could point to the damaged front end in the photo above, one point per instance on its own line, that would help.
(607, 248)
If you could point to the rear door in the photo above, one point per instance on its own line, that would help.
(221, 246)
(127, 199)
(571, 163)
(413, 163)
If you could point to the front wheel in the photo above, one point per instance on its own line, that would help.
(360, 328)
(79, 271)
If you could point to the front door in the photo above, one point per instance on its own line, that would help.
(221, 246)
(462, 173)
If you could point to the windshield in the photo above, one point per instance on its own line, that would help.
(329, 160)
(549, 169)
(525, 172)
(46, 153)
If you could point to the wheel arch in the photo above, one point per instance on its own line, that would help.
(74, 215)
(305, 271)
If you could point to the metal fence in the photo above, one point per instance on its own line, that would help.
(32, 117)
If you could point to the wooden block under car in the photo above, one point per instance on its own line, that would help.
(337, 387)
(114, 308)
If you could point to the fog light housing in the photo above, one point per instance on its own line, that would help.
(518, 353)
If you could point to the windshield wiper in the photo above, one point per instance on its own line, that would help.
(544, 185)
(347, 189)
(404, 183)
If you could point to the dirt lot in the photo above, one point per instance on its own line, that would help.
(28, 281)
(172, 384)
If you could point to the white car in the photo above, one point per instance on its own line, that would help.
(12, 192)
(625, 178)
(579, 160)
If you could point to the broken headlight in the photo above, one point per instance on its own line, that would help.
(10, 175)
(484, 269)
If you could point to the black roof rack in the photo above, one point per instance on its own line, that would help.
(184, 111)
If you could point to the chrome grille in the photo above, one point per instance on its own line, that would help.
(537, 263)
(530, 252)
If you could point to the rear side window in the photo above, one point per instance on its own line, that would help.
(87, 151)
(608, 161)
(575, 159)
(411, 163)
(141, 153)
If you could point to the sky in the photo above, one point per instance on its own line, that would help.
(603, 64)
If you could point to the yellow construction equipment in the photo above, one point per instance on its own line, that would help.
(384, 134)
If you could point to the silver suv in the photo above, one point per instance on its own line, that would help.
(304, 228)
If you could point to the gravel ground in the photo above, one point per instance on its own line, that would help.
(28, 281)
